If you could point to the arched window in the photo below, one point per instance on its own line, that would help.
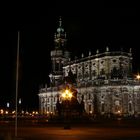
(48, 99)
(130, 107)
(102, 72)
(56, 66)
(114, 73)
(94, 73)
(102, 107)
(89, 96)
(48, 109)
(117, 106)
(89, 108)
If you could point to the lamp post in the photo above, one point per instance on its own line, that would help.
(66, 98)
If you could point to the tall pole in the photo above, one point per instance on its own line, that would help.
(17, 68)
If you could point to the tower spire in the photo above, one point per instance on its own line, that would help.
(58, 55)
(60, 21)
(60, 37)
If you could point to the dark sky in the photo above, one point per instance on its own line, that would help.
(88, 28)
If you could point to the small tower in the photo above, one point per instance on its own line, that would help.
(60, 36)
(57, 56)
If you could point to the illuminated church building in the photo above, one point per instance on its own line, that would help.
(105, 78)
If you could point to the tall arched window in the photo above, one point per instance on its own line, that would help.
(89, 108)
(130, 107)
(89, 96)
(102, 107)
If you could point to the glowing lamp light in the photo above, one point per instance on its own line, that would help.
(19, 101)
(138, 77)
(90, 112)
(67, 94)
(27, 112)
(119, 111)
(13, 112)
(6, 112)
(1, 111)
(36, 112)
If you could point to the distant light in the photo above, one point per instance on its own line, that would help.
(1, 111)
(119, 111)
(36, 112)
(22, 111)
(19, 101)
(6, 112)
(138, 76)
(90, 112)
(27, 112)
(13, 112)
(8, 104)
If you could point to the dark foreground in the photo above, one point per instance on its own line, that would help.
(98, 130)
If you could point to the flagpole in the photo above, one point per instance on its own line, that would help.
(17, 68)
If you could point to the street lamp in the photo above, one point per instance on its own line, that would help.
(67, 94)
(66, 98)
(138, 76)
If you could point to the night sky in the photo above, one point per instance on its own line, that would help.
(87, 27)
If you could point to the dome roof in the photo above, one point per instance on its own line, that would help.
(60, 29)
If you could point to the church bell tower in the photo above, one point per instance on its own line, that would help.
(58, 56)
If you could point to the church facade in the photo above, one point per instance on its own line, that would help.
(104, 80)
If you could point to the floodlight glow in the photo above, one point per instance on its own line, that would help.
(138, 76)
(67, 94)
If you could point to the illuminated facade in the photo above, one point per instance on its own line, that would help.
(105, 80)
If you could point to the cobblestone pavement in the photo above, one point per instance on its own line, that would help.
(116, 131)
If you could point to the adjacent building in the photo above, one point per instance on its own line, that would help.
(105, 80)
